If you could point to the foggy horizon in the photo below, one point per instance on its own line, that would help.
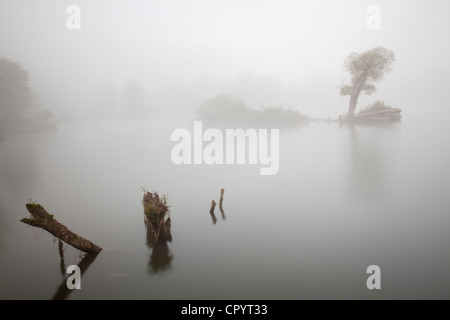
(287, 53)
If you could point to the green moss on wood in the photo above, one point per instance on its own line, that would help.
(42, 219)
(156, 212)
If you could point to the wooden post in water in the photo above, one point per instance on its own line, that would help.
(221, 197)
(222, 191)
(213, 206)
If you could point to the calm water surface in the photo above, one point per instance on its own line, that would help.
(344, 198)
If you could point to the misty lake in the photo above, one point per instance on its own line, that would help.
(345, 197)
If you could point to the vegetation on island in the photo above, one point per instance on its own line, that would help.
(228, 109)
(366, 69)
(378, 111)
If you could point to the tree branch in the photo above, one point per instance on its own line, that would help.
(42, 219)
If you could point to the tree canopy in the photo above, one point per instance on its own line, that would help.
(14, 90)
(16, 101)
(365, 69)
(228, 109)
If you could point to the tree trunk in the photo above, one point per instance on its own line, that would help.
(355, 94)
(42, 219)
(352, 107)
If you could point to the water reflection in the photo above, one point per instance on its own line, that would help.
(371, 150)
(213, 217)
(19, 168)
(222, 212)
(161, 257)
(62, 264)
(63, 292)
(2, 222)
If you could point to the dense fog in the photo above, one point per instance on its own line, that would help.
(101, 100)
(169, 56)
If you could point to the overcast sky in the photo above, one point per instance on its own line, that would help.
(280, 52)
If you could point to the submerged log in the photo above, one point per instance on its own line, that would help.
(42, 219)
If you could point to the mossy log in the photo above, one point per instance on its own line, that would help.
(42, 219)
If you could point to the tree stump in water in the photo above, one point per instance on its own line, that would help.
(42, 219)
(157, 216)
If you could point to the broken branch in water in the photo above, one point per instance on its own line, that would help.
(42, 219)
